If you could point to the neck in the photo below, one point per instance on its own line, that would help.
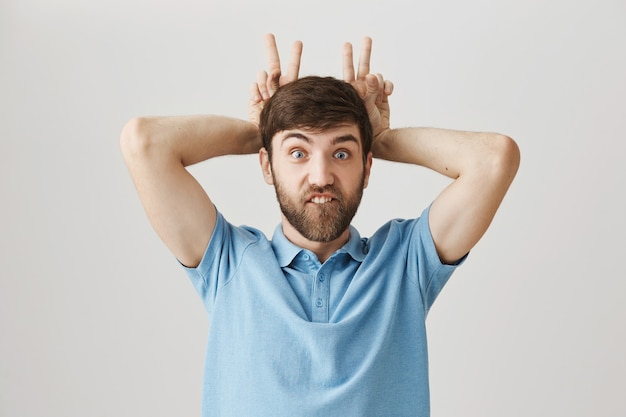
(323, 250)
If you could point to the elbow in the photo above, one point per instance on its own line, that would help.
(506, 155)
(135, 138)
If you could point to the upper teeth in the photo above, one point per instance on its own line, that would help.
(320, 200)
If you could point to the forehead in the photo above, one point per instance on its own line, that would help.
(342, 134)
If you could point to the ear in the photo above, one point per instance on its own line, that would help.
(266, 166)
(368, 167)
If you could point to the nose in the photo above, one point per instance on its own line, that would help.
(320, 171)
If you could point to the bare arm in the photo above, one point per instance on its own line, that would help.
(157, 150)
(482, 165)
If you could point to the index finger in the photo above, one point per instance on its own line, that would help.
(348, 63)
(273, 59)
(364, 58)
(294, 62)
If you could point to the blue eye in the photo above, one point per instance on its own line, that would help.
(341, 155)
(297, 154)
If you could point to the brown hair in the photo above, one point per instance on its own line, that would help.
(316, 103)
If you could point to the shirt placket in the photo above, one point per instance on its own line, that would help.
(321, 295)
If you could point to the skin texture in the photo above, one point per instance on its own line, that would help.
(319, 179)
(482, 166)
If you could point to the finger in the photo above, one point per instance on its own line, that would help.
(348, 63)
(380, 95)
(273, 59)
(388, 89)
(294, 63)
(273, 82)
(373, 90)
(261, 81)
(255, 94)
(273, 62)
(364, 58)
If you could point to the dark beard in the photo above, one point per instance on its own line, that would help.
(320, 222)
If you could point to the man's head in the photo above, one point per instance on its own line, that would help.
(315, 103)
(317, 138)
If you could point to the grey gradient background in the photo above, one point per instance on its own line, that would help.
(97, 318)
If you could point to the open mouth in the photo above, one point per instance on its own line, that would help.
(320, 200)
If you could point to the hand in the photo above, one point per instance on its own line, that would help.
(373, 88)
(269, 81)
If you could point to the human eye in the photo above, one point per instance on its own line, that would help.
(342, 155)
(297, 154)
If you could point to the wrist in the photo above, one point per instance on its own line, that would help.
(382, 143)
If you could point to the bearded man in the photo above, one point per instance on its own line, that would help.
(317, 321)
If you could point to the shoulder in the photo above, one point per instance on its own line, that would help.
(409, 239)
(229, 243)
(400, 230)
(238, 235)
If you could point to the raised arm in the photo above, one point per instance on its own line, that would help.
(482, 165)
(157, 151)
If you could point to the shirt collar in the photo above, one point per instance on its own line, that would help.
(286, 251)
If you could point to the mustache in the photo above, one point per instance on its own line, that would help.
(321, 190)
(327, 189)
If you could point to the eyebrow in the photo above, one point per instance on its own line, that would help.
(335, 141)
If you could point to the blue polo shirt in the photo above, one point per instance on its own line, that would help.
(292, 337)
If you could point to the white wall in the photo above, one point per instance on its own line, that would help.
(98, 319)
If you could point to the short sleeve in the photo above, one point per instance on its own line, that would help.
(432, 274)
(221, 259)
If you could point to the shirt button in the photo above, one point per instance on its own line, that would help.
(321, 277)
(306, 256)
(319, 302)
